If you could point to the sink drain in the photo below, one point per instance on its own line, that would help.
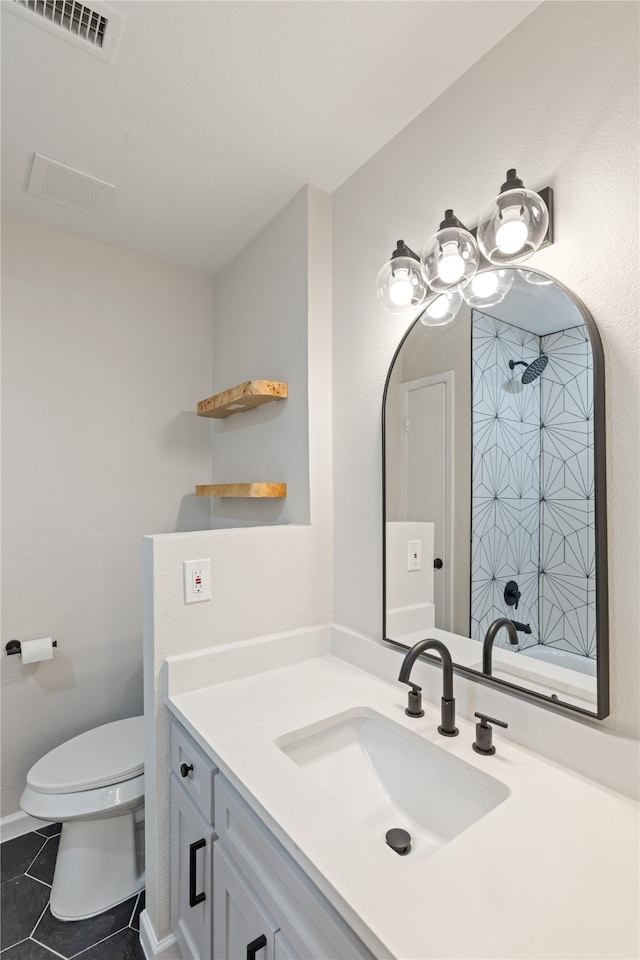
(399, 840)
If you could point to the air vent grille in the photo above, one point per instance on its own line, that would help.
(55, 181)
(74, 17)
(96, 29)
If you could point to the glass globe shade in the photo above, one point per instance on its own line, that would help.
(537, 279)
(442, 309)
(401, 286)
(450, 258)
(513, 226)
(488, 288)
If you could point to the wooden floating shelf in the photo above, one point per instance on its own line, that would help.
(263, 490)
(246, 396)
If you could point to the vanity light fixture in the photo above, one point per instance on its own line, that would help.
(488, 288)
(514, 225)
(451, 256)
(442, 309)
(401, 284)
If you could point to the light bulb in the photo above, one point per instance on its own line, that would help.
(442, 310)
(400, 285)
(484, 284)
(512, 233)
(400, 288)
(451, 256)
(451, 265)
(514, 224)
(439, 307)
(487, 288)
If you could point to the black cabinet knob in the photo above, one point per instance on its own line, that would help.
(185, 770)
(438, 564)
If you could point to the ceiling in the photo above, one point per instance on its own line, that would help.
(215, 114)
(537, 305)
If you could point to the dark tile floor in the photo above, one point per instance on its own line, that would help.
(29, 931)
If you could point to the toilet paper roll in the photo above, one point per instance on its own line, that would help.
(33, 651)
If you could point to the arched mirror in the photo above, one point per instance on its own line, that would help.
(494, 490)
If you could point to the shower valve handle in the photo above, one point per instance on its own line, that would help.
(512, 594)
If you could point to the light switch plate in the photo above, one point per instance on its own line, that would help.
(197, 580)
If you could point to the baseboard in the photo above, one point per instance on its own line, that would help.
(17, 824)
(154, 949)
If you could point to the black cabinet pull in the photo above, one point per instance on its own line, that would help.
(185, 769)
(195, 898)
(255, 945)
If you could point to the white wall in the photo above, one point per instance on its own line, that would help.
(260, 333)
(409, 587)
(428, 351)
(266, 579)
(558, 99)
(105, 355)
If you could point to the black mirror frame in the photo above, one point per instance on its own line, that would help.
(600, 507)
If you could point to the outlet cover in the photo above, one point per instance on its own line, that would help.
(197, 580)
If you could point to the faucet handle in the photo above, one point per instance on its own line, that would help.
(414, 703)
(484, 734)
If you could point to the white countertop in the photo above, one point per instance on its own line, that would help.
(552, 872)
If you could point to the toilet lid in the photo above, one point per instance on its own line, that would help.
(108, 754)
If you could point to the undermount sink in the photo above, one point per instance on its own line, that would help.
(389, 778)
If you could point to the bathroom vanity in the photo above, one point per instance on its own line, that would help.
(302, 760)
(236, 891)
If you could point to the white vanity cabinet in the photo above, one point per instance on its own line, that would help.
(192, 838)
(305, 925)
(241, 925)
(258, 903)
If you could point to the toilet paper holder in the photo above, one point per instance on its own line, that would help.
(13, 646)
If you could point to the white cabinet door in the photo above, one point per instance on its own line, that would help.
(191, 876)
(312, 928)
(242, 928)
(283, 949)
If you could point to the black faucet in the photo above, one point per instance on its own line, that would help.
(487, 646)
(447, 703)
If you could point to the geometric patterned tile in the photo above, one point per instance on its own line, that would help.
(44, 864)
(23, 900)
(18, 853)
(68, 937)
(29, 932)
(29, 950)
(532, 512)
(124, 945)
(135, 919)
(52, 830)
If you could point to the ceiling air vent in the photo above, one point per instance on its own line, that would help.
(55, 181)
(96, 28)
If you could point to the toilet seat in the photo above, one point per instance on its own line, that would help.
(104, 757)
(103, 802)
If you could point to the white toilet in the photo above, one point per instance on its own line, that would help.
(94, 785)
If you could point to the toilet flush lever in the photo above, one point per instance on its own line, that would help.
(185, 770)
